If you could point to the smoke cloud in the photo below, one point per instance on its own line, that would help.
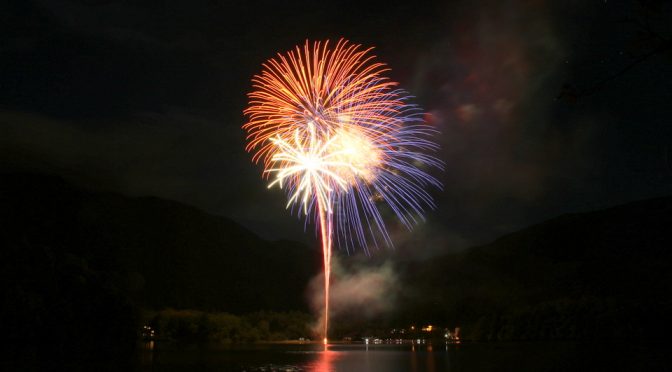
(357, 292)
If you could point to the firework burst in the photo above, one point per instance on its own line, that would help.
(341, 139)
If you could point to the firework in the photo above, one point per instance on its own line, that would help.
(342, 140)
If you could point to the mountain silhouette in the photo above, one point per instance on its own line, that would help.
(601, 274)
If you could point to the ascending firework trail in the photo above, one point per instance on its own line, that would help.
(339, 137)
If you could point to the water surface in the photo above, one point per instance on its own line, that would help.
(556, 356)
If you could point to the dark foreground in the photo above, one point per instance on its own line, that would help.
(521, 357)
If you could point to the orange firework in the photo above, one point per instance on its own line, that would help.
(339, 137)
(332, 88)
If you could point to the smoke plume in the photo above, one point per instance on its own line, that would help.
(357, 292)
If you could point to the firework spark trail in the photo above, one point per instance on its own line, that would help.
(340, 138)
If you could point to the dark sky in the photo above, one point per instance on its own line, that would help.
(544, 107)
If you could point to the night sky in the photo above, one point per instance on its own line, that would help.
(544, 107)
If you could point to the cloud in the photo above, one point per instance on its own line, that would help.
(174, 155)
(489, 85)
(490, 80)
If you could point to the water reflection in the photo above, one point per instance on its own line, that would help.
(414, 359)
(147, 357)
(399, 358)
(325, 361)
(431, 360)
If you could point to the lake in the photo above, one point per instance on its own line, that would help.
(544, 356)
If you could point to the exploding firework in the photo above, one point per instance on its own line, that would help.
(341, 139)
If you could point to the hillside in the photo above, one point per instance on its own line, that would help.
(602, 274)
(161, 253)
(73, 257)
